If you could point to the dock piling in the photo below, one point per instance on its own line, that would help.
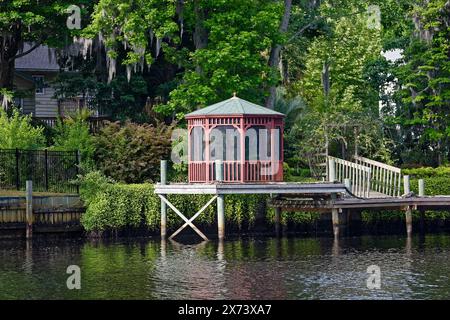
(408, 219)
(406, 188)
(335, 219)
(29, 208)
(163, 204)
(421, 188)
(277, 221)
(220, 202)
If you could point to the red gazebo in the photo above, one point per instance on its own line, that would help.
(248, 138)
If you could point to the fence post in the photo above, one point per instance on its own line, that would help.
(17, 170)
(46, 169)
(29, 208)
(77, 166)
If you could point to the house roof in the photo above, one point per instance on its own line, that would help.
(42, 58)
(234, 106)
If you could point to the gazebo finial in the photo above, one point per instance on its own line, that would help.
(234, 94)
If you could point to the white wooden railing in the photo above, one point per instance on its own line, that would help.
(386, 179)
(359, 175)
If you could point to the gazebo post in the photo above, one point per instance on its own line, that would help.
(242, 145)
(273, 166)
(207, 150)
(189, 156)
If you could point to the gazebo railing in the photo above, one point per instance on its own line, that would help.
(197, 171)
(253, 171)
(231, 171)
(263, 171)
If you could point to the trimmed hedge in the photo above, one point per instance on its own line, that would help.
(437, 182)
(427, 172)
(114, 206)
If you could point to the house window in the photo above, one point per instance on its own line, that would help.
(39, 83)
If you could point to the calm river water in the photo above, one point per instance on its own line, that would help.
(255, 268)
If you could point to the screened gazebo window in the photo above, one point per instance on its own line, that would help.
(225, 144)
(257, 143)
(197, 139)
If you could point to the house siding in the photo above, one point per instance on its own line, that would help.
(39, 105)
(46, 105)
(28, 105)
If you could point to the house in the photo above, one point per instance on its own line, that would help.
(34, 74)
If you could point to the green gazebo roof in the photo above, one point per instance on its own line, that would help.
(234, 106)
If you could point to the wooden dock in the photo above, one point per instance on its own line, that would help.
(336, 198)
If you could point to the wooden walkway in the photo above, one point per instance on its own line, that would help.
(252, 188)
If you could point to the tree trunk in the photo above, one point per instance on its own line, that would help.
(8, 51)
(6, 74)
(274, 59)
(326, 79)
(200, 33)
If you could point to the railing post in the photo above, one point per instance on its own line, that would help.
(17, 170)
(46, 169)
(29, 208)
(406, 189)
(421, 188)
(331, 170)
(163, 204)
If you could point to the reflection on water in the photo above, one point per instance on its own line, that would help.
(266, 268)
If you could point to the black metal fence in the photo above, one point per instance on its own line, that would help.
(52, 171)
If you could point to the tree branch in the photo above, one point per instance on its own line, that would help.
(302, 29)
(24, 53)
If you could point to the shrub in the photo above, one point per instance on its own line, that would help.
(72, 133)
(427, 172)
(113, 206)
(131, 153)
(16, 131)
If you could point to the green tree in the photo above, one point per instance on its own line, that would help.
(39, 22)
(339, 98)
(235, 57)
(220, 47)
(424, 82)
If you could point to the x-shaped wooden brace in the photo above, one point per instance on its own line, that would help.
(188, 222)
